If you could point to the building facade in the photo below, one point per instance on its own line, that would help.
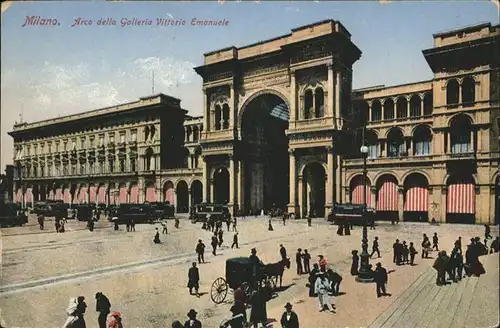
(280, 128)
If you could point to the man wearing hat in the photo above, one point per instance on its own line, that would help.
(322, 287)
(289, 319)
(257, 263)
(103, 307)
(192, 322)
(116, 321)
(298, 261)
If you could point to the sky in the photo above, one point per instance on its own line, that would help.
(50, 71)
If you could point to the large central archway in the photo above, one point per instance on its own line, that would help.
(263, 126)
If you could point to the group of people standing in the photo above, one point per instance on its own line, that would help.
(77, 308)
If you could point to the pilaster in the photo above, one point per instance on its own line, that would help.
(300, 184)
(330, 174)
(205, 179)
(293, 97)
(232, 185)
(401, 191)
(292, 205)
(330, 94)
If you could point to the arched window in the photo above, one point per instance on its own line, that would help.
(427, 104)
(148, 158)
(225, 116)
(461, 135)
(402, 106)
(188, 133)
(468, 91)
(146, 133)
(319, 96)
(376, 111)
(308, 104)
(388, 109)
(395, 143)
(152, 130)
(373, 145)
(218, 113)
(423, 141)
(415, 106)
(195, 133)
(452, 92)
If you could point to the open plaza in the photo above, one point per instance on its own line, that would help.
(146, 282)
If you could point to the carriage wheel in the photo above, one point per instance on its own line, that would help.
(219, 289)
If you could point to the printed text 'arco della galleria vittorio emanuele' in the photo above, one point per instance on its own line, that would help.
(282, 127)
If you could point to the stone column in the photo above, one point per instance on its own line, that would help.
(471, 140)
(175, 201)
(408, 111)
(233, 110)
(337, 100)
(401, 203)
(422, 105)
(492, 204)
(293, 97)
(330, 174)
(205, 179)
(232, 181)
(241, 186)
(443, 202)
(190, 199)
(370, 113)
(460, 93)
(330, 96)
(300, 184)
(206, 111)
(211, 196)
(338, 179)
(382, 111)
(448, 145)
(292, 205)
(479, 141)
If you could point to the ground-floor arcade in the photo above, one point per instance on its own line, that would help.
(423, 194)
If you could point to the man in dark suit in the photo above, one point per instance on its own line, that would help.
(193, 279)
(380, 277)
(283, 252)
(102, 306)
(298, 260)
(192, 322)
(289, 319)
(235, 241)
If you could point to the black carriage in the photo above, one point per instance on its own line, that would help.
(217, 212)
(139, 213)
(162, 210)
(11, 215)
(239, 274)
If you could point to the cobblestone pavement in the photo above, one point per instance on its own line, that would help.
(146, 282)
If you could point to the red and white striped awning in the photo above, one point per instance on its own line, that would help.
(357, 195)
(417, 199)
(101, 195)
(123, 195)
(461, 198)
(134, 194)
(150, 194)
(170, 195)
(67, 196)
(387, 199)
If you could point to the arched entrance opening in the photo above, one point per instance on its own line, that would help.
(461, 199)
(221, 186)
(263, 126)
(182, 197)
(387, 198)
(123, 193)
(356, 190)
(416, 198)
(150, 192)
(314, 178)
(196, 193)
(497, 201)
(169, 192)
(134, 194)
(43, 193)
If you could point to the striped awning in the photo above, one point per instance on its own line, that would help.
(134, 194)
(357, 195)
(67, 196)
(461, 198)
(101, 195)
(123, 195)
(417, 199)
(387, 196)
(150, 194)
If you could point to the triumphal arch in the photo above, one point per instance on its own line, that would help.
(272, 114)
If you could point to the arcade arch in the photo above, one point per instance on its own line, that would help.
(169, 192)
(182, 197)
(416, 198)
(221, 185)
(314, 177)
(461, 199)
(196, 192)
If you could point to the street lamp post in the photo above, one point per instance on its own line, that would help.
(365, 272)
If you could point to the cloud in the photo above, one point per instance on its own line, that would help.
(62, 89)
(292, 9)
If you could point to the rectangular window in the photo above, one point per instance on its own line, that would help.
(91, 142)
(101, 167)
(57, 147)
(422, 148)
(83, 142)
(50, 148)
(122, 137)
(132, 165)
(111, 165)
(101, 140)
(373, 151)
(91, 168)
(82, 168)
(133, 135)
(122, 165)
(112, 138)
(65, 145)
(73, 144)
(35, 148)
(73, 169)
(42, 171)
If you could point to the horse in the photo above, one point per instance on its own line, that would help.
(276, 269)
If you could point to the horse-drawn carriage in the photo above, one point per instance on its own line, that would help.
(240, 274)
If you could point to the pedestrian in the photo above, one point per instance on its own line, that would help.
(102, 306)
(458, 243)
(116, 320)
(435, 242)
(235, 241)
(372, 223)
(214, 243)
(176, 223)
(456, 264)
(355, 263)
(335, 280)
(307, 258)
(270, 226)
(322, 287)
(313, 275)
(396, 252)
(228, 224)
(413, 252)
(200, 251)
(375, 248)
(41, 220)
(61, 228)
(426, 244)
(284, 218)
(322, 263)
(193, 279)
(289, 319)
(164, 226)
(283, 252)
(71, 313)
(90, 224)
(157, 240)
(81, 307)
(380, 276)
(239, 313)
(298, 261)
(494, 247)
(192, 322)
(127, 222)
(115, 223)
(309, 221)
(57, 224)
(234, 224)
(221, 240)
(440, 265)
(258, 313)
(132, 225)
(487, 231)
(406, 253)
